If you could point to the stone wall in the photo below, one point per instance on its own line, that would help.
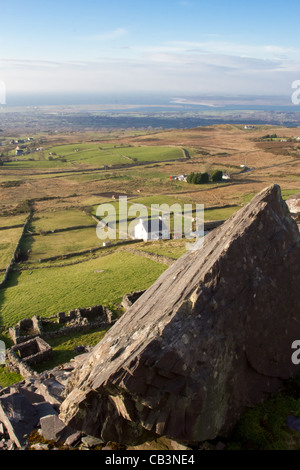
(19, 366)
(26, 329)
(79, 320)
(129, 299)
(34, 351)
(30, 349)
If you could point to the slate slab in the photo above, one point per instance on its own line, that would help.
(18, 416)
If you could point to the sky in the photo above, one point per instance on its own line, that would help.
(178, 47)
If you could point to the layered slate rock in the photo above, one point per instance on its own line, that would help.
(211, 337)
(18, 416)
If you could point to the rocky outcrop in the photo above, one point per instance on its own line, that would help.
(210, 338)
(33, 405)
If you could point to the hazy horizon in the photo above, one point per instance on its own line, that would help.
(148, 99)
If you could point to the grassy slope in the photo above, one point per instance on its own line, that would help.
(95, 155)
(60, 219)
(60, 244)
(48, 291)
(170, 248)
(8, 241)
(12, 220)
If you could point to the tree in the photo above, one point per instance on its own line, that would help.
(204, 178)
(196, 178)
(217, 175)
(190, 178)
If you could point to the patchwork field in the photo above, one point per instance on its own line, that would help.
(93, 155)
(64, 184)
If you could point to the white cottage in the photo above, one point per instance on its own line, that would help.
(153, 229)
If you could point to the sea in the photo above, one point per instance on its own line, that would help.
(150, 103)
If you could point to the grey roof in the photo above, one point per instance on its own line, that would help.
(154, 225)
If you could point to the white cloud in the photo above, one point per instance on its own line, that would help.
(236, 49)
(173, 67)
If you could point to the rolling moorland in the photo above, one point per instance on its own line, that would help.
(57, 181)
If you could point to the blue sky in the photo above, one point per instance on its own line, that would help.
(181, 47)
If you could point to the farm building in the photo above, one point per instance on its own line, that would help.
(153, 229)
(178, 178)
(182, 178)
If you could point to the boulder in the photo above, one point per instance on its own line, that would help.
(45, 409)
(73, 439)
(53, 429)
(211, 337)
(18, 416)
(90, 441)
(51, 390)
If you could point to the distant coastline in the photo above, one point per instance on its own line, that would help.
(152, 102)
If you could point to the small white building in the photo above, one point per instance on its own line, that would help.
(182, 178)
(151, 229)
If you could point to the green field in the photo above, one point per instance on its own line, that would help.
(8, 378)
(63, 348)
(35, 164)
(8, 241)
(55, 220)
(114, 155)
(93, 155)
(221, 213)
(59, 244)
(48, 291)
(170, 248)
(13, 220)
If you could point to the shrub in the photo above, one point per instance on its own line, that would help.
(190, 177)
(198, 178)
(204, 178)
(217, 175)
